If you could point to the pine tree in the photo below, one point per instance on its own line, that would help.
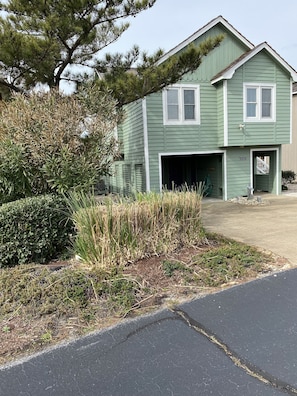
(48, 41)
(41, 39)
(151, 74)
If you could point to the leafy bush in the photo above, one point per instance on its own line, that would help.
(52, 143)
(288, 176)
(33, 229)
(116, 233)
(14, 175)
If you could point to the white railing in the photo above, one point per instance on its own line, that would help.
(262, 166)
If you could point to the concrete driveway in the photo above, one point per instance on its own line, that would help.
(271, 225)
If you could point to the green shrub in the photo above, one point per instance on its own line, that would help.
(51, 143)
(14, 176)
(289, 176)
(33, 230)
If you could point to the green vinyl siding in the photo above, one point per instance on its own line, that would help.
(132, 136)
(239, 168)
(238, 172)
(260, 69)
(128, 174)
(218, 59)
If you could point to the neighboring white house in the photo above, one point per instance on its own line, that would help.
(289, 151)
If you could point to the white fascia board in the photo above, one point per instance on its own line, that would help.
(200, 32)
(225, 109)
(184, 153)
(291, 114)
(230, 72)
(281, 61)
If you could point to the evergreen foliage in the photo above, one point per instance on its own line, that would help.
(45, 42)
(151, 74)
(40, 40)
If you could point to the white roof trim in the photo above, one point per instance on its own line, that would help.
(228, 74)
(203, 30)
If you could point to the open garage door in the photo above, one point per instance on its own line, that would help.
(190, 170)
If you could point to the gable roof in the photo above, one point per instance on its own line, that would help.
(229, 71)
(251, 50)
(203, 30)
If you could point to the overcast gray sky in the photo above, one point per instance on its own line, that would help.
(169, 22)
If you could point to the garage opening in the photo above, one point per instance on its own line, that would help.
(190, 170)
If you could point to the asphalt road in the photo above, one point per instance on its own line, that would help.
(241, 341)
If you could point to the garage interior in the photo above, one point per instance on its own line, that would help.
(191, 170)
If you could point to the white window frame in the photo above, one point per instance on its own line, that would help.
(259, 87)
(181, 113)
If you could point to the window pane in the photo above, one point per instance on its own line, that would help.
(251, 109)
(189, 112)
(251, 94)
(266, 110)
(172, 96)
(266, 95)
(172, 104)
(172, 112)
(189, 104)
(189, 96)
(251, 102)
(266, 102)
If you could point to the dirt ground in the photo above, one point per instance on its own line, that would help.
(22, 336)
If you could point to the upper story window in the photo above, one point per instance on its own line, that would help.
(259, 102)
(181, 105)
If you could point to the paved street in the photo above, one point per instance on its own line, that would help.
(242, 341)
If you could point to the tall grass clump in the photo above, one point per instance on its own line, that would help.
(110, 232)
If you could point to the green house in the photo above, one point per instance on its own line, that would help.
(223, 124)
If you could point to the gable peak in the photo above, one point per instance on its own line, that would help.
(218, 20)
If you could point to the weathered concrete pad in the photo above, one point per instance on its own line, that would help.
(271, 226)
